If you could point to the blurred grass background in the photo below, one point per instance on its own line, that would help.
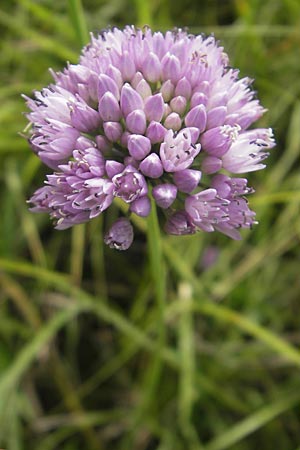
(188, 343)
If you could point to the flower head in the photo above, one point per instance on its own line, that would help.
(149, 114)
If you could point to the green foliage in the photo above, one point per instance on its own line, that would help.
(150, 348)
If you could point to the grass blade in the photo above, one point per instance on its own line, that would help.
(254, 422)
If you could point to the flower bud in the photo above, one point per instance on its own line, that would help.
(120, 235)
(167, 110)
(141, 206)
(130, 100)
(138, 76)
(204, 86)
(211, 164)
(136, 121)
(183, 88)
(178, 104)
(82, 143)
(198, 99)
(151, 166)
(156, 132)
(113, 167)
(152, 68)
(187, 180)
(124, 138)
(127, 66)
(196, 117)
(79, 73)
(171, 69)
(173, 122)
(102, 143)
(144, 89)
(167, 90)
(154, 108)
(109, 108)
(164, 194)
(113, 131)
(116, 76)
(84, 118)
(107, 84)
(138, 146)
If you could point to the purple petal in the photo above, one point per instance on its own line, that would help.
(216, 117)
(177, 152)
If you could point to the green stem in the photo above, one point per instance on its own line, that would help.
(157, 270)
(77, 253)
(143, 12)
(187, 371)
(79, 23)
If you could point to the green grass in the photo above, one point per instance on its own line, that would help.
(149, 349)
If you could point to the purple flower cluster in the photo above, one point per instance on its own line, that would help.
(149, 114)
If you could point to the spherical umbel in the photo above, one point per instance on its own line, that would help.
(146, 114)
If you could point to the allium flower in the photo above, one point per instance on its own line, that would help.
(149, 114)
